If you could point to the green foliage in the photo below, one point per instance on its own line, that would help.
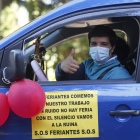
(9, 20)
(35, 8)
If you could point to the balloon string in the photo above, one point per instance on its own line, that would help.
(7, 93)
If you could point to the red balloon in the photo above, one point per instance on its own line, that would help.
(4, 108)
(26, 98)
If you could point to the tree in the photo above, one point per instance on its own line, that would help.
(35, 8)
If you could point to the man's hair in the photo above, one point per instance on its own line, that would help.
(103, 31)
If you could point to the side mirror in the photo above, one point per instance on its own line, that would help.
(16, 68)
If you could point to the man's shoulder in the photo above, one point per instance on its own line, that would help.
(120, 72)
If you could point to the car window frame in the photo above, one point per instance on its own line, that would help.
(132, 80)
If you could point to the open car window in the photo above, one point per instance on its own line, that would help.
(58, 46)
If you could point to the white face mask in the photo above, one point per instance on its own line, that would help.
(99, 54)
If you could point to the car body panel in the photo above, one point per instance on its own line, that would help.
(109, 97)
(70, 7)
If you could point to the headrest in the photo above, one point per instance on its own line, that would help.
(131, 56)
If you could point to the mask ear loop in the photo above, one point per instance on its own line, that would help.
(6, 81)
(110, 52)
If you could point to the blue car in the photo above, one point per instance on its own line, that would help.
(104, 109)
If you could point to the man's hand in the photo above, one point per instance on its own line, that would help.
(69, 65)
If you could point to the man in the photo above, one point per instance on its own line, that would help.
(103, 65)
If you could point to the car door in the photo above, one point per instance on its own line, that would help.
(103, 109)
(95, 110)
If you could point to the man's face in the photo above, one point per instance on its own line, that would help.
(102, 42)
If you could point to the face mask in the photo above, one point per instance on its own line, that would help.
(99, 54)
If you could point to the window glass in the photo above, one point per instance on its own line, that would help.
(33, 41)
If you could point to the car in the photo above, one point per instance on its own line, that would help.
(80, 109)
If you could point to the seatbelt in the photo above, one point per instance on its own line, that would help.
(106, 71)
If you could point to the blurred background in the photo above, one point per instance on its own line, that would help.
(16, 13)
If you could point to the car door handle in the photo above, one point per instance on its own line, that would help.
(125, 112)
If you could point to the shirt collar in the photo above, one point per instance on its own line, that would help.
(111, 59)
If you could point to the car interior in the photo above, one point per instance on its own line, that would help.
(44, 48)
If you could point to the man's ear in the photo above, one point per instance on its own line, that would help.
(112, 50)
